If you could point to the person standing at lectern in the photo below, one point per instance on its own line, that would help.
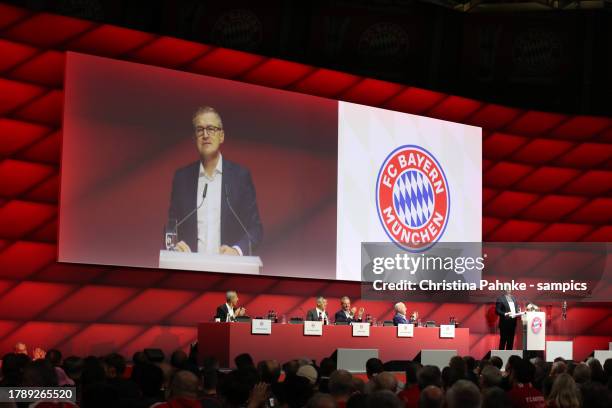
(319, 313)
(505, 306)
(213, 204)
(228, 311)
(346, 314)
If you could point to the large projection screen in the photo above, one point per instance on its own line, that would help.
(310, 166)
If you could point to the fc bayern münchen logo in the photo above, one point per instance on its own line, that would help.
(412, 198)
(536, 325)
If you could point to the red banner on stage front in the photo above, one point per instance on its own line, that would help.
(227, 340)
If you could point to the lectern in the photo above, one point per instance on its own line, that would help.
(193, 261)
(534, 331)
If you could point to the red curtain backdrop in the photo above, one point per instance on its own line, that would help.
(547, 177)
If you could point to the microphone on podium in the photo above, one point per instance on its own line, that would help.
(185, 218)
(249, 239)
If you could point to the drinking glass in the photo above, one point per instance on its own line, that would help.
(171, 238)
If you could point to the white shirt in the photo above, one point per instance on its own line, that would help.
(510, 304)
(230, 313)
(322, 313)
(209, 214)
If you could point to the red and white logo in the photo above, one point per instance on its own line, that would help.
(536, 325)
(412, 198)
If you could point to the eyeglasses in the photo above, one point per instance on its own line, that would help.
(201, 131)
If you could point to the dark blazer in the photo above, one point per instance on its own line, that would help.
(222, 312)
(399, 319)
(313, 315)
(502, 307)
(340, 316)
(237, 187)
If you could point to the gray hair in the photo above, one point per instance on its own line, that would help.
(397, 306)
(463, 394)
(320, 300)
(201, 110)
(230, 294)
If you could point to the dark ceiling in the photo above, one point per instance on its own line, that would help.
(552, 55)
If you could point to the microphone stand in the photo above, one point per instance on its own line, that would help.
(249, 239)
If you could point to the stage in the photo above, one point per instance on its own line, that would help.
(287, 342)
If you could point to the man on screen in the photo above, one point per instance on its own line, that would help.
(505, 307)
(319, 313)
(347, 314)
(228, 311)
(213, 199)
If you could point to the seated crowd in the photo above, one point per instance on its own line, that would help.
(149, 381)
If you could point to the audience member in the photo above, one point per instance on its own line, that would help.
(183, 391)
(327, 366)
(597, 371)
(490, 377)
(308, 372)
(495, 397)
(596, 395)
(243, 361)
(582, 373)
(431, 397)
(463, 394)
(383, 399)
(54, 357)
(341, 387)
(20, 348)
(564, 393)
(522, 393)
(410, 394)
(321, 400)
(429, 375)
(497, 362)
(465, 382)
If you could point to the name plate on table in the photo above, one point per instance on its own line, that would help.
(361, 329)
(261, 326)
(313, 328)
(405, 330)
(447, 331)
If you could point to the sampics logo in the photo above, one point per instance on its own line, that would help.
(412, 198)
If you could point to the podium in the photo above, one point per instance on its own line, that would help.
(193, 261)
(534, 331)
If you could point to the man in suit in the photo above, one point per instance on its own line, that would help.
(400, 314)
(504, 306)
(319, 312)
(222, 192)
(346, 314)
(228, 311)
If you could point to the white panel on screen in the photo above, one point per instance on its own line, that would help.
(366, 137)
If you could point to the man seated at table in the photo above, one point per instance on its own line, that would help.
(400, 315)
(346, 314)
(319, 312)
(228, 311)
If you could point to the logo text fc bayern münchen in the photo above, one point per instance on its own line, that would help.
(412, 198)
